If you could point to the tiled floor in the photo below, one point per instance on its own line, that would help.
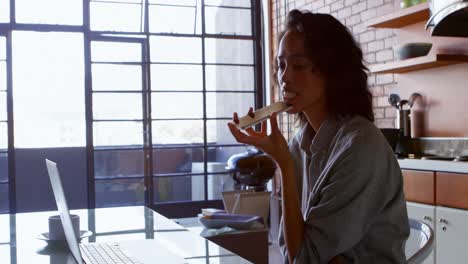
(193, 225)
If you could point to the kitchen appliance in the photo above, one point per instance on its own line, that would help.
(251, 169)
(448, 18)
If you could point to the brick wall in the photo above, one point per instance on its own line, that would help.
(375, 43)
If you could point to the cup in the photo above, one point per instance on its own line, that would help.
(56, 229)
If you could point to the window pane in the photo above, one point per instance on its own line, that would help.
(49, 89)
(3, 166)
(3, 136)
(4, 11)
(4, 201)
(116, 77)
(3, 76)
(220, 77)
(175, 2)
(117, 106)
(118, 133)
(168, 77)
(177, 160)
(217, 132)
(198, 167)
(3, 106)
(175, 49)
(217, 160)
(236, 3)
(119, 192)
(229, 21)
(177, 132)
(5, 234)
(220, 155)
(181, 188)
(5, 251)
(224, 104)
(2, 48)
(119, 1)
(217, 183)
(115, 17)
(119, 163)
(176, 105)
(229, 51)
(59, 12)
(173, 19)
(115, 52)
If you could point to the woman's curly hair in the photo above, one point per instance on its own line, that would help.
(338, 57)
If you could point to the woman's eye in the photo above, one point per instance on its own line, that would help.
(281, 65)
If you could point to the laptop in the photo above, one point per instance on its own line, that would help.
(138, 251)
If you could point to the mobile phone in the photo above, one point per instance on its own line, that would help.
(262, 114)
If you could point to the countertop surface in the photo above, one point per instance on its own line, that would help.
(434, 165)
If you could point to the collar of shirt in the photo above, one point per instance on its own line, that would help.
(312, 142)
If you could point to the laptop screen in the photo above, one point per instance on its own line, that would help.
(62, 207)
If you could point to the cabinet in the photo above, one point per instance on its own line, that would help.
(419, 186)
(452, 189)
(433, 191)
(452, 235)
(426, 214)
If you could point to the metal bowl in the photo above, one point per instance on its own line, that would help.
(252, 167)
(412, 50)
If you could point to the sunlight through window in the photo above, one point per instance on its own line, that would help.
(49, 89)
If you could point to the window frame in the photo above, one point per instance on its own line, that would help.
(172, 209)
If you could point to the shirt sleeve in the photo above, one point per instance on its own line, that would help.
(350, 196)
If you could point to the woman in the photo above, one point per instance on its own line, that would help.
(341, 186)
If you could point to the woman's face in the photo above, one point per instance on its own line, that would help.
(301, 84)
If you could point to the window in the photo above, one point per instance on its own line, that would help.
(48, 86)
(132, 104)
(4, 186)
(4, 11)
(124, 16)
(54, 12)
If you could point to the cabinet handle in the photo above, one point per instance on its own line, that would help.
(444, 228)
(427, 218)
(443, 221)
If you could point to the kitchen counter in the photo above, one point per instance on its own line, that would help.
(434, 165)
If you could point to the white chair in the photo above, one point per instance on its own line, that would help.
(420, 242)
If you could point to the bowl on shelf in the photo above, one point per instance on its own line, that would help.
(412, 50)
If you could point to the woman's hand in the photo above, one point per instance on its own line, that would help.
(274, 144)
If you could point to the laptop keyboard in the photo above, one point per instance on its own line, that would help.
(105, 253)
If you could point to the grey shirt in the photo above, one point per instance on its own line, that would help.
(351, 192)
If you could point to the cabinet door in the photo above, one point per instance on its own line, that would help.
(452, 235)
(419, 186)
(426, 214)
(451, 189)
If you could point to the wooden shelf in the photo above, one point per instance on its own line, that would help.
(419, 63)
(402, 17)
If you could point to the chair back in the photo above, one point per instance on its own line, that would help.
(420, 242)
